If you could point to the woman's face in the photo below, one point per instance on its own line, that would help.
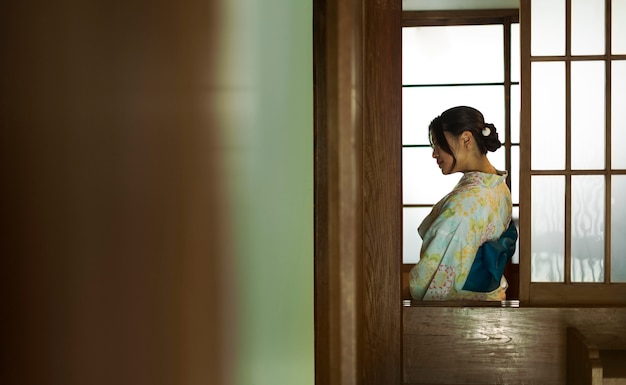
(444, 160)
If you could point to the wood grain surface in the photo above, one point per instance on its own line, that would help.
(358, 212)
(382, 192)
(478, 345)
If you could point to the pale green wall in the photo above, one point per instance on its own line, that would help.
(266, 109)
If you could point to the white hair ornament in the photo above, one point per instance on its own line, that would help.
(486, 131)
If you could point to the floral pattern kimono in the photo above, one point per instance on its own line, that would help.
(477, 210)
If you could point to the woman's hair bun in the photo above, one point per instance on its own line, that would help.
(459, 119)
(490, 137)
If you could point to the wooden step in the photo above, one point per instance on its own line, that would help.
(588, 365)
(613, 367)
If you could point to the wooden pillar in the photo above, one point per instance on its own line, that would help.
(357, 66)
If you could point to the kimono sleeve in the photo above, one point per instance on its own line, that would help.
(446, 256)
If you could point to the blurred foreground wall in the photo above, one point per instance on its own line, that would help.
(156, 193)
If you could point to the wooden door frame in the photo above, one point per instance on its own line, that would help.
(358, 205)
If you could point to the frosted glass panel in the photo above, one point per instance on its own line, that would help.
(515, 174)
(515, 113)
(548, 116)
(547, 27)
(420, 105)
(618, 114)
(515, 53)
(515, 218)
(497, 159)
(587, 27)
(618, 228)
(547, 228)
(422, 180)
(588, 115)
(432, 55)
(587, 235)
(411, 241)
(618, 34)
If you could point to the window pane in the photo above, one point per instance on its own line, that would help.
(618, 228)
(618, 114)
(547, 228)
(588, 115)
(515, 218)
(452, 54)
(515, 113)
(548, 115)
(618, 35)
(547, 27)
(412, 242)
(422, 180)
(587, 27)
(515, 53)
(587, 228)
(420, 105)
(515, 174)
(497, 159)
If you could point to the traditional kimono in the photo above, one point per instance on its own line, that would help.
(477, 210)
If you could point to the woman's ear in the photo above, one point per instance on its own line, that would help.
(466, 139)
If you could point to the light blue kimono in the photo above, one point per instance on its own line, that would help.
(477, 210)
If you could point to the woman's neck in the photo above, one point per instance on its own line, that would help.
(481, 165)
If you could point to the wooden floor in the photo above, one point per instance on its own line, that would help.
(493, 345)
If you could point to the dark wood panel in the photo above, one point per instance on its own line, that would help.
(462, 17)
(580, 294)
(468, 345)
(382, 191)
(338, 221)
(525, 140)
(323, 350)
(613, 366)
(582, 360)
(357, 56)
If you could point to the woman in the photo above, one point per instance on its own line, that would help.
(476, 211)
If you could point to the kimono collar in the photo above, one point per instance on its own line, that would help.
(477, 178)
